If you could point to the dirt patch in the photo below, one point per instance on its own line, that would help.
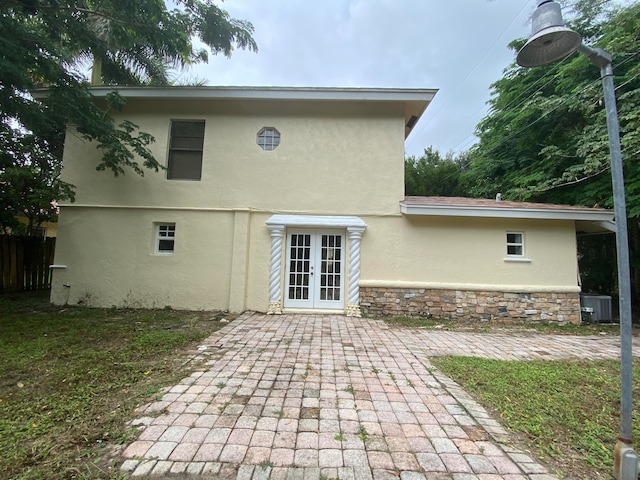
(310, 413)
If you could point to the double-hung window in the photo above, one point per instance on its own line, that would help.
(515, 244)
(165, 238)
(185, 150)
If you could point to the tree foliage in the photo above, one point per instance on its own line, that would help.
(545, 138)
(435, 175)
(49, 44)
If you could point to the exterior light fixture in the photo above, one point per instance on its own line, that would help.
(550, 41)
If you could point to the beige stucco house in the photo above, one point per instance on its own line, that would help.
(292, 199)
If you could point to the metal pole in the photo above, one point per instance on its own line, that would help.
(622, 247)
(550, 40)
(626, 460)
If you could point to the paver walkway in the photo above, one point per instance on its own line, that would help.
(322, 396)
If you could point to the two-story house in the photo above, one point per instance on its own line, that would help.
(292, 199)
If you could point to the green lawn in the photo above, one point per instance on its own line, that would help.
(568, 412)
(71, 376)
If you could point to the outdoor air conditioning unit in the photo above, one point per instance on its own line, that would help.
(596, 308)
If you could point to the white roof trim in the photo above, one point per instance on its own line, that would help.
(609, 225)
(316, 221)
(501, 212)
(273, 93)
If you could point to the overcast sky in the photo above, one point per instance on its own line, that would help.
(456, 46)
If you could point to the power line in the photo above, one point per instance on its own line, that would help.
(469, 139)
(422, 127)
(564, 101)
(588, 86)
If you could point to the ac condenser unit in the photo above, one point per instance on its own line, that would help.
(596, 307)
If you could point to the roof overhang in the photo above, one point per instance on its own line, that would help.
(415, 100)
(591, 220)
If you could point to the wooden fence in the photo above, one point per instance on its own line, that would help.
(24, 262)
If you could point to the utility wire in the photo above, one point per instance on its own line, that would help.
(574, 95)
(421, 129)
(517, 98)
(550, 72)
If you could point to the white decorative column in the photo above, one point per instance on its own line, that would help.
(353, 307)
(275, 301)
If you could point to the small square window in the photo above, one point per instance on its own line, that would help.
(165, 238)
(268, 138)
(515, 244)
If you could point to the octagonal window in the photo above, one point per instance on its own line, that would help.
(268, 138)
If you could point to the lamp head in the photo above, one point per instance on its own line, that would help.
(550, 40)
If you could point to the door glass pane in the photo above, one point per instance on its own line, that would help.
(299, 267)
(315, 262)
(330, 255)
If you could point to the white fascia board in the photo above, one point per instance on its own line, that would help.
(609, 225)
(274, 93)
(527, 213)
(316, 221)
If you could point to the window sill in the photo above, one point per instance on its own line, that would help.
(517, 259)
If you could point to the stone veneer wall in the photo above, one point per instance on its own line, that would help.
(463, 304)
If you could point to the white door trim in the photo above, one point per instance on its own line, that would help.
(277, 225)
(315, 269)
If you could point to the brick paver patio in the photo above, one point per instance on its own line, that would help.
(323, 396)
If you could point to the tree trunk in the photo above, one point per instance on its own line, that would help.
(96, 71)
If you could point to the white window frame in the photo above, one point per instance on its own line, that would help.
(165, 231)
(268, 138)
(516, 257)
(175, 149)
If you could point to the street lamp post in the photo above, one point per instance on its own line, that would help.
(550, 41)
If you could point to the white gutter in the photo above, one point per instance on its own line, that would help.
(502, 212)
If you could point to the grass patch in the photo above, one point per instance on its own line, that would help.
(568, 410)
(71, 377)
(512, 325)
(362, 433)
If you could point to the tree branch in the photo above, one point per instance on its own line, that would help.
(573, 182)
(37, 6)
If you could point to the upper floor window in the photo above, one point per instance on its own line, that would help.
(515, 244)
(268, 138)
(185, 150)
(165, 238)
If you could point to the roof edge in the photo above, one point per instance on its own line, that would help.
(267, 93)
(522, 211)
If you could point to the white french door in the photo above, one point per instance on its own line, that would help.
(315, 269)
